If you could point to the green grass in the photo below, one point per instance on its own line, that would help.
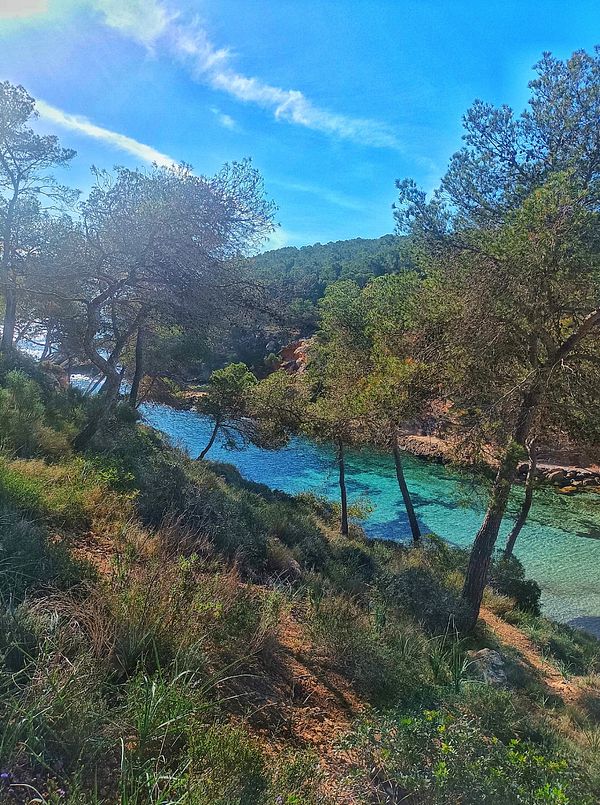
(574, 651)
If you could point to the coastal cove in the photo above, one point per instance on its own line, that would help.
(559, 546)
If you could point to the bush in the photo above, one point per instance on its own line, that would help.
(445, 755)
(171, 486)
(507, 576)
(417, 591)
(353, 569)
(22, 419)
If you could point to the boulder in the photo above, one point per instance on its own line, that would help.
(557, 477)
(488, 665)
(567, 490)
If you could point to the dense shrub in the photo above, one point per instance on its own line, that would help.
(507, 576)
(353, 569)
(385, 661)
(444, 755)
(22, 419)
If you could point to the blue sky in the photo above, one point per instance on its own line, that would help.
(332, 99)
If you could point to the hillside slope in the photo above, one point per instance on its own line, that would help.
(174, 633)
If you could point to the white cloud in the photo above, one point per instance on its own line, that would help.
(190, 44)
(142, 20)
(324, 193)
(82, 125)
(22, 8)
(224, 120)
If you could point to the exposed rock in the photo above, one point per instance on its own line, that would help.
(488, 665)
(430, 447)
(294, 357)
(557, 476)
(567, 490)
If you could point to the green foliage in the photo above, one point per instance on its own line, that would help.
(63, 495)
(227, 767)
(226, 392)
(507, 576)
(22, 419)
(28, 558)
(302, 275)
(445, 755)
(419, 591)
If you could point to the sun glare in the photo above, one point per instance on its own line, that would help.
(22, 8)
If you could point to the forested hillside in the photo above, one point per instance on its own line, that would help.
(305, 272)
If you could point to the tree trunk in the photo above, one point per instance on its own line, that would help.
(139, 367)
(8, 287)
(47, 344)
(211, 441)
(527, 501)
(110, 394)
(343, 493)
(483, 546)
(10, 319)
(412, 517)
(107, 366)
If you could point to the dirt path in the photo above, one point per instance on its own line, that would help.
(325, 703)
(509, 635)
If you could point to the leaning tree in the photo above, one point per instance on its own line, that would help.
(511, 242)
(165, 246)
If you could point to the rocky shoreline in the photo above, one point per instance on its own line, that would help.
(566, 479)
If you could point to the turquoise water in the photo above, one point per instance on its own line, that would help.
(559, 546)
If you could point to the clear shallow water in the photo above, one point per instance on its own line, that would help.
(559, 545)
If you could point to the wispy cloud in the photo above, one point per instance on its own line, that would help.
(142, 20)
(324, 193)
(82, 125)
(224, 120)
(152, 23)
